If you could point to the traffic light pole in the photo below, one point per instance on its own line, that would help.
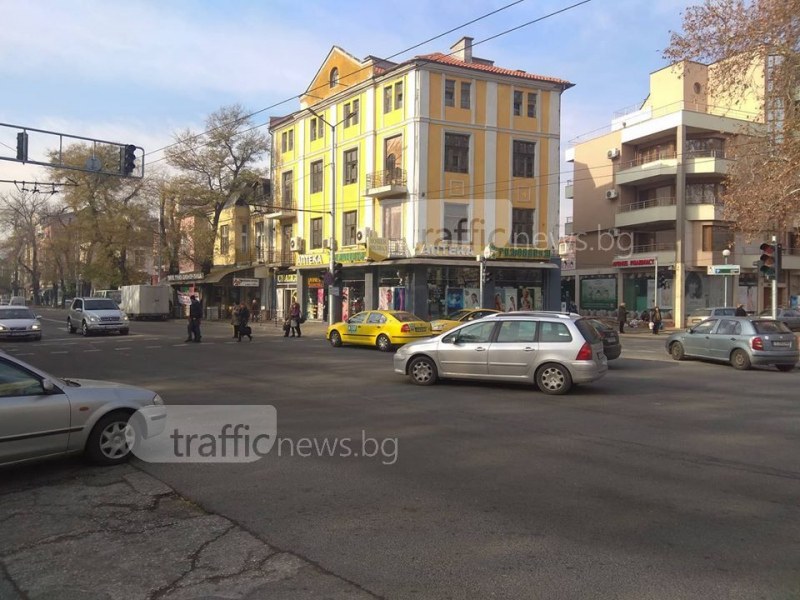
(655, 285)
(481, 275)
(775, 280)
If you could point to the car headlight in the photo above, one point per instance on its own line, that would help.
(2, 328)
(36, 326)
(124, 317)
(94, 318)
(158, 400)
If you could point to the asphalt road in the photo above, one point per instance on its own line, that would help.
(663, 480)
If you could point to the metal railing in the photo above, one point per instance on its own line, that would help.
(396, 176)
(648, 158)
(643, 204)
(660, 247)
(705, 153)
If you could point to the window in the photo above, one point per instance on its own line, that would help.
(350, 166)
(517, 331)
(316, 177)
(705, 147)
(334, 77)
(522, 233)
(456, 153)
(16, 381)
(316, 232)
(387, 99)
(392, 222)
(313, 129)
(517, 104)
(260, 240)
(357, 318)
(465, 94)
(224, 239)
(287, 180)
(398, 95)
(449, 92)
(479, 333)
(704, 193)
(349, 228)
(243, 245)
(347, 115)
(456, 223)
(376, 318)
(716, 238)
(729, 327)
(321, 130)
(524, 154)
(550, 331)
(705, 327)
(354, 117)
(290, 134)
(351, 113)
(284, 138)
(532, 105)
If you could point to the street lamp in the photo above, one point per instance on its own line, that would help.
(726, 253)
(332, 262)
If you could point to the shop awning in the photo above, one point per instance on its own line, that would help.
(216, 276)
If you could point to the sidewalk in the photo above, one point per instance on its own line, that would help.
(68, 531)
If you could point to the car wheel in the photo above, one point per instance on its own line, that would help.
(785, 368)
(70, 328)
(85, 329)
(422, 370)
(335, 339)
(676, 351)
(383, 343)
(740, 360)
(553, 379)
(111, 440)
(123, 331)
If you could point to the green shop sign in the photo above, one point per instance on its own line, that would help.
(520, 253)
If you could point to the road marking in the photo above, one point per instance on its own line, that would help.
(94, 350)
(121, 348)
(23, 353)
(60, 352)
(152, 347)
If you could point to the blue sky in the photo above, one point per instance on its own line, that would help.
(138, 71)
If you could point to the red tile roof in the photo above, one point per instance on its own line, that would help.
(445, 59)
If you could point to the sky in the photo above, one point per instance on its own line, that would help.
(139, 71)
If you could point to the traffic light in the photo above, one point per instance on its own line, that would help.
(127, 159)
(662, 281)
(487, 276)
(768, 261)
(338, 276)
(22, 146)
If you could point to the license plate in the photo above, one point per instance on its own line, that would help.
(612, 340)
(782, 344)
(422, 328)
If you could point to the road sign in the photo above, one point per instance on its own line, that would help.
(724, 269)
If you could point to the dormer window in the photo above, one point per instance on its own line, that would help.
(334, 80)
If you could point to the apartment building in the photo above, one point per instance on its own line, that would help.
(647, 212)
(429, 163)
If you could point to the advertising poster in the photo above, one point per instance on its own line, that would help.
(385, 298)
(526, 299)
(599, 292)
(510, 294)
(455, 300)
(472, 296)
(695, 291)
(499, 300)
(345, 303)
(399, 298)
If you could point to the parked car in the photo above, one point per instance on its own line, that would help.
(45, 416)
(742, 341)
(461, 316)
(19, 322)
(788, 316)
(552, 350)
(17, 301)
(701, 314)
(381, 328)
(611, 344)
(93, 315)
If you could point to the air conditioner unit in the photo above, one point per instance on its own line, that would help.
(614, 231)
(296, 244)
(613, 153)
(326, 245)
(363, 234)
(611, 194)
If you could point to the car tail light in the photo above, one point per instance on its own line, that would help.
(405, 328)
(757, 343)
(585, 353)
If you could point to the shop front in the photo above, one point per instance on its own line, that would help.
(186, 285)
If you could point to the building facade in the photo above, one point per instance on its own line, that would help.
(429, 163)
(647, 211)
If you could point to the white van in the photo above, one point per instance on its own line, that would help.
(17, 301)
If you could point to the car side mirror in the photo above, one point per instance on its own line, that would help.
(690, 330)
(78, 310)
(39, 317)
(449, 339)
(48, 386)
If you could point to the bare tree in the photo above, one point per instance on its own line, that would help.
(758, 42)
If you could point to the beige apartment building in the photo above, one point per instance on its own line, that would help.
(647, 211)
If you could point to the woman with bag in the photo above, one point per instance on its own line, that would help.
(656, 320)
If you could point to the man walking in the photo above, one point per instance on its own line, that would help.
(195, 314)
(242, 328)
(622, 316)
(656, 320)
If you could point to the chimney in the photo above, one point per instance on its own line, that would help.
(462, 49)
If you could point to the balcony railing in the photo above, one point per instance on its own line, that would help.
(704, 200)
(278, 257)
(649, 158)
(647, 248)
(643, 204)
(386, 177)
(705, 153)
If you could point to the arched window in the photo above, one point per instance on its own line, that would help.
(334, 77)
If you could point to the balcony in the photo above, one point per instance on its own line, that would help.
(654, 210)
(386, 184)
(569, 190)
(279, 258)
(704, 209)
(281, 208)
(707, 162)
(647, 168)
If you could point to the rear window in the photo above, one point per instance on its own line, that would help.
(101, 304)
(725, 312)
(405, 317)
(770, 327)
(588, 331)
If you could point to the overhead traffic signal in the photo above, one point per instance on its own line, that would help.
(127, 159)
(768, 261)
(22, 146)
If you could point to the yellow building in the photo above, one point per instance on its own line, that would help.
(430, 162)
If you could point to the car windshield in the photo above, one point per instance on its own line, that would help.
(770, 327)
(16, 313)
(405, 317)
(100, 304)
(458, 314)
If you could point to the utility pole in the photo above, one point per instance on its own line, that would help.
(775, 279)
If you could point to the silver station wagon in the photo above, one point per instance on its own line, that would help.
(552, 350)
(741, 341)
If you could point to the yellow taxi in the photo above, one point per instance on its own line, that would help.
(381, 328)
(459, 317)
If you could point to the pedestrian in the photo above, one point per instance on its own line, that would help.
(656, 320)
(294, 316)
(195, 315)
(740, 311)
(244, 318)
(622, 317)
(235, 319)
